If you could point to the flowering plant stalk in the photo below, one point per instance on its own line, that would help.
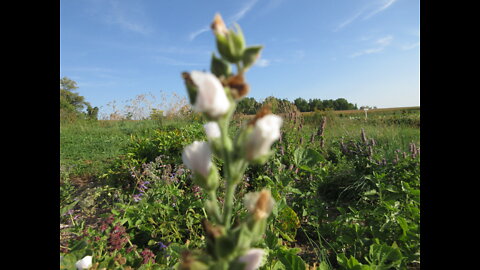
(215, 94)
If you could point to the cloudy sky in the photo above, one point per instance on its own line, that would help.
(366, 51)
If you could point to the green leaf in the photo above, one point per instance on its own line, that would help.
(288, 222)
(68, 262)
(219, 67)
(385, 257)
(307, 158)
(250, 55)
(291, 261)
(271, 239)
(324, 266)
(351, 263)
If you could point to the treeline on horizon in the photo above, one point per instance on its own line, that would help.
(73, 105)
(249, 105)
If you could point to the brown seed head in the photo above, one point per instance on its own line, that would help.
(238, 86)
(263, 206)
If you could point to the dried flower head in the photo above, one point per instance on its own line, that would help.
(218, 25)
(260, 204)
(239, 88)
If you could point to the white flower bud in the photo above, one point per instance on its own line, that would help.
(211, 98)
(84, 263)
(197, 157)
(264, 134)
(252, 259)
(212, 130)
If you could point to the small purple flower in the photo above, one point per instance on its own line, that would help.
(162, 245)
(137, 197)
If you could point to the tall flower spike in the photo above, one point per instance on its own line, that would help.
(210, 97)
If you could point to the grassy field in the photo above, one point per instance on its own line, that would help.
(362, 170)
(87, 148)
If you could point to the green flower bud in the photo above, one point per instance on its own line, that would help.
(230, 43)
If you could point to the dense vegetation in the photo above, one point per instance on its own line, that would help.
(346, 186)
(249, 105)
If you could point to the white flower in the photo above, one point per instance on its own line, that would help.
(197, 157)
(212, 130)
(84, 263)
(211, 98)
(252, 259)
(264, 134)
(260, 204)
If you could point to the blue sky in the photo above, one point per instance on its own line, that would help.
(364, 51)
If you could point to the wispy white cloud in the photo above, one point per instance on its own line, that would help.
(383, 5)
(381, 44)
(410, 46)
(348, 21)
(371, 8)
(384, 41)
(234, 18)
(262, 63)
(242, 12)
(195, 34)
(130, 18)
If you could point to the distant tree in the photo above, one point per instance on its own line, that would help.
(71, 103)
(315, 104)
(273, 102)
(328, 104)
(92, 113)
(248, 105)
(342, 104)
(301, 104)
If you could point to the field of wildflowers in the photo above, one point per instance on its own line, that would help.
(316, 191)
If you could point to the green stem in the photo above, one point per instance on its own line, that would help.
(228, 168)
(228, 206)
(213, 198)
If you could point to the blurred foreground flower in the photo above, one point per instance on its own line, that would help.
(212, 130)
(252, 259)
(266, 131)
(260, 204)
(197, 157)
(207, 94)
(84, 263)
